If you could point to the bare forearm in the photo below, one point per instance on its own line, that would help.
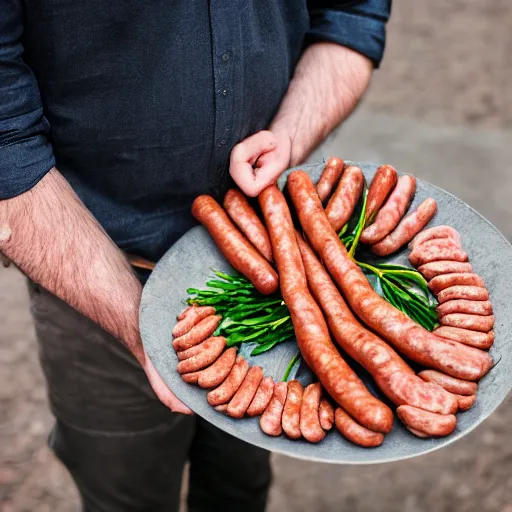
(50, 235)
(327, 85)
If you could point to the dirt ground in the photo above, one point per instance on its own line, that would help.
(440, 96)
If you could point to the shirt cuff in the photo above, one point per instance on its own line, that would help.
(364, 34)
(23, 164)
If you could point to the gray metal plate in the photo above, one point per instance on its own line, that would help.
(188, 264)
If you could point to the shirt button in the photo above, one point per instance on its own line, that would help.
(224, 92)
(223, 142)
(225, 57)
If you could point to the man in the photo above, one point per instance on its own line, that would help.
(113, 117)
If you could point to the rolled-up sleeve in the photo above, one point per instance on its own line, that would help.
(25, 152)
(359, 25)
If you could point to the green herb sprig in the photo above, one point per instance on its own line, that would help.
(247, 315)
(401, 286)
(407, 290)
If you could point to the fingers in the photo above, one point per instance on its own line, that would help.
(164, 394)
(271, 154)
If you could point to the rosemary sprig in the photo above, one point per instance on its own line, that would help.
(406, 290)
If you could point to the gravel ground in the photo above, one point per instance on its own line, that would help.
(439, 108)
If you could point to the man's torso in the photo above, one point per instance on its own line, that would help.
(146, 99)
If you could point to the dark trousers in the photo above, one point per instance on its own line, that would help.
(124, 449)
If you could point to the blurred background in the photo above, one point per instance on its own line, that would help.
(439, 108)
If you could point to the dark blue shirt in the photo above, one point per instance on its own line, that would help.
(139, 103)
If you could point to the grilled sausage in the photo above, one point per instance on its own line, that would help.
(404, 334)
(211, 349)
(244, 216)
(382, 184)
(481, 340)
(436, 268)
(201, 331)
(391, 373)
(330, 175)
(291, 412)
(326, 414)
(239, 404)
(343, 202)
(393, 210)
(192, 316)
(436, 250)
(432, 233)
(310, 426)
(471, 307)
(466, 402)
(225, 392)
(190, 378)
(262, 397)
(429, 423)
(439, 283)
(185, 312)
(234, 246)
(406, 229)
(270, 420)
(215, 374)
(472, 322)
(195, 350)
(451, 384)
(354, 432)
(311, 331)
(462, 292)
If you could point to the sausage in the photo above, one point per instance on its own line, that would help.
(439, 283)
(475, 339)
(471, 322)
(201, 331)
(393, 210)
(383, 183)
(471, 307)
(244, 216)
(185, 312)
(262, 397)
(310, 426)
(195, 350)
(343, 202)
(434, 232)
(291, 412)
(326, 414)
(355, 433)
(393, 325)
(330, 176)
(462, 292)
(193, 315)
(211, 349)
(234, 246)
(429, 423)
(466, 402)
(391, 373)
(243, 397)
(451, 384)
(270, 420)
(215, 374)
(406, 229)
(190, 378)
(225, 392)
(436, 268)
(311, 330)
(435, 250)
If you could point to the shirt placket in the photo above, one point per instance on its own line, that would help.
(225, 71)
